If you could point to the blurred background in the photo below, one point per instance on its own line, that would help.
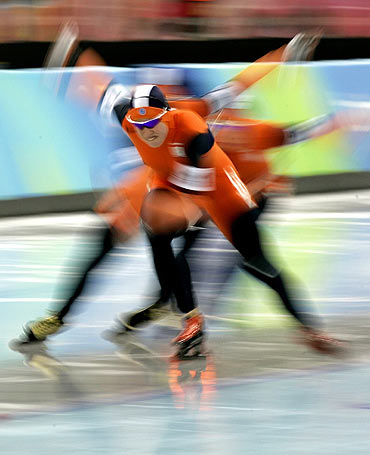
(183, 30)
(259, 389)
(38, 20)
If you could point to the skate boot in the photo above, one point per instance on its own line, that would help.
(129, 322)
(321, 342)
(36, 332)
(189, 341)
(302, 47)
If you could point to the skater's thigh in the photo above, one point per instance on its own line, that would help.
(230, 201)
(165, 211)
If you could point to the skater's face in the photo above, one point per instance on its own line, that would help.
(149, 125)
(154, 136)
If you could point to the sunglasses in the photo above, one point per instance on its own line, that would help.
(151, 123)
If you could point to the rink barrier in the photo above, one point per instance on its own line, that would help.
(81, 202)
(54, 156)
(333, 182)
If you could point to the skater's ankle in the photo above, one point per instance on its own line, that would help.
(192, 313)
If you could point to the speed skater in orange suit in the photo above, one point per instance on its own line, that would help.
(190, 162)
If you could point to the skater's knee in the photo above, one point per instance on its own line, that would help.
(246, 240)
(260, 265)
(161, 213)
(245, 236)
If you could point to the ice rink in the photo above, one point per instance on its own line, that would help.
(258, 392)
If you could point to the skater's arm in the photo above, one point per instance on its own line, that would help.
(224, 94)
(115, 103)
(300, 48)
(325, 124)
(198, 175)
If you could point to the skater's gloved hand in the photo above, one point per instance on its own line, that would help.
(115, 103)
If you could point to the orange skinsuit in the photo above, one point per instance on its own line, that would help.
(129, 194)
(122, 205)
(229, 198)
(244, 143)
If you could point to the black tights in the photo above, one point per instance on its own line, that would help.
(172, 271)
(105, 245)
(246, 240)
(174, 275)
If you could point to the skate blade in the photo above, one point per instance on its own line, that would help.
(115, 337)
(23, 347)
(47, 365)
(340, 348)
(197, 349)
